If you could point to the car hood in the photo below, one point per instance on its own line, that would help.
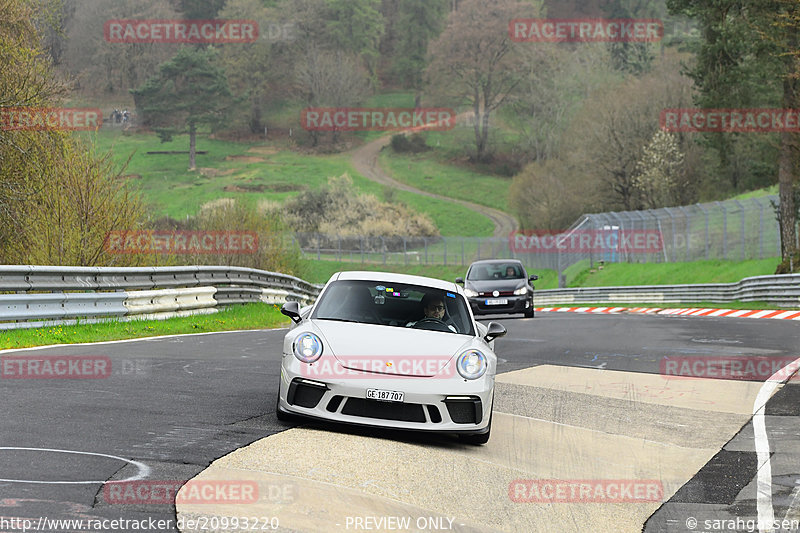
(390, 349)
(495, 285)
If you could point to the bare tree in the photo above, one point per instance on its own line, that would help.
(331, 79)
(475, 60)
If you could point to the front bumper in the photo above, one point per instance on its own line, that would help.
(514, 304)
(441, 405)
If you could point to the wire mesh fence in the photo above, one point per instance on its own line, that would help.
(733, 229)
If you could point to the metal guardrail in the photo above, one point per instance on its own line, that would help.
(47, 295)
(52, 295)
(779, 290)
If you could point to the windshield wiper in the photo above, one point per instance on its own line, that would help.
(342, 320)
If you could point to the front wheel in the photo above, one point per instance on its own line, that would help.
(529, 311)
(282, 416)
(478, 439)
(482, 438)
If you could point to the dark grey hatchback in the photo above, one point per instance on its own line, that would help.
(496, 286)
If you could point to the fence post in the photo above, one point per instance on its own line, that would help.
(742, 230)
(405, 251)
(674, 236)
(724, 230)
(444, 240)
(760, 228)
(705, 212)
(426, 250)
(383, 245)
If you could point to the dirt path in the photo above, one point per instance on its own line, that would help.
(365, 161)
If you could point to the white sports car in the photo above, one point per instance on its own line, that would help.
(390, 350)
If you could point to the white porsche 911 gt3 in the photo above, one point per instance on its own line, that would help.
(390, 350)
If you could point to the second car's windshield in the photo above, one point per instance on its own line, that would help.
(391, 304)
(495, 271)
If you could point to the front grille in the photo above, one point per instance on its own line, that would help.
(433, 414)
(465, 411)
(403, 412)
(305, 394)
(333, 405)
(490, 295)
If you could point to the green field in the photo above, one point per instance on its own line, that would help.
(425, 172)
(254, 173)
(578, 275)
(622, 274)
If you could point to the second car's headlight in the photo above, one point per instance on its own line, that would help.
(471, 364)
(521, 291)
(307, 347)
(469, 293)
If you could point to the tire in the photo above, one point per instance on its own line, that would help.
(478, 439)
(481, 438)
(282, 416)
(529, 311)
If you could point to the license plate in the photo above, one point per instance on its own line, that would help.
(501, 301)
(385, 395)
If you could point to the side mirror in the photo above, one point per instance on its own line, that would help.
(292, 310)
(460, 281)
(495, 330)
(534, 277)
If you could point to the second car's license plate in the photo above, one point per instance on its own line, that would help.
(502, 301)
(385, 395)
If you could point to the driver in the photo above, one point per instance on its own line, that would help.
(433, 308)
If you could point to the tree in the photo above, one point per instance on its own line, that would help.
(419, 21)
(749, 57)
(331, 79)
(57, 198)
(660, 173)
(475, 61)
(606, 139)
(189, 91)
(112, 68)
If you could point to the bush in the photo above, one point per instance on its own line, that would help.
(337, 208)
(414, 144)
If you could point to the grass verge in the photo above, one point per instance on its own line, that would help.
(249, 316)
(626, 274)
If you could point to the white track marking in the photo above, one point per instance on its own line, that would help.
(144, 470)
(766, 514)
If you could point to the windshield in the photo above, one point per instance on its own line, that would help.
(392, 304)
(491, 271)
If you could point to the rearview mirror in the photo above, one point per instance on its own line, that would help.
(292, 310)
(495, 330)
(460, 281)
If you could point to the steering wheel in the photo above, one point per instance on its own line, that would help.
(431, 320)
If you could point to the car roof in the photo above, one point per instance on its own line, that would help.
(392, 277)
(495, 261)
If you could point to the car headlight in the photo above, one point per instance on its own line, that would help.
(471, 364)
(469, 293)
(307, 347)
(521, 291)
